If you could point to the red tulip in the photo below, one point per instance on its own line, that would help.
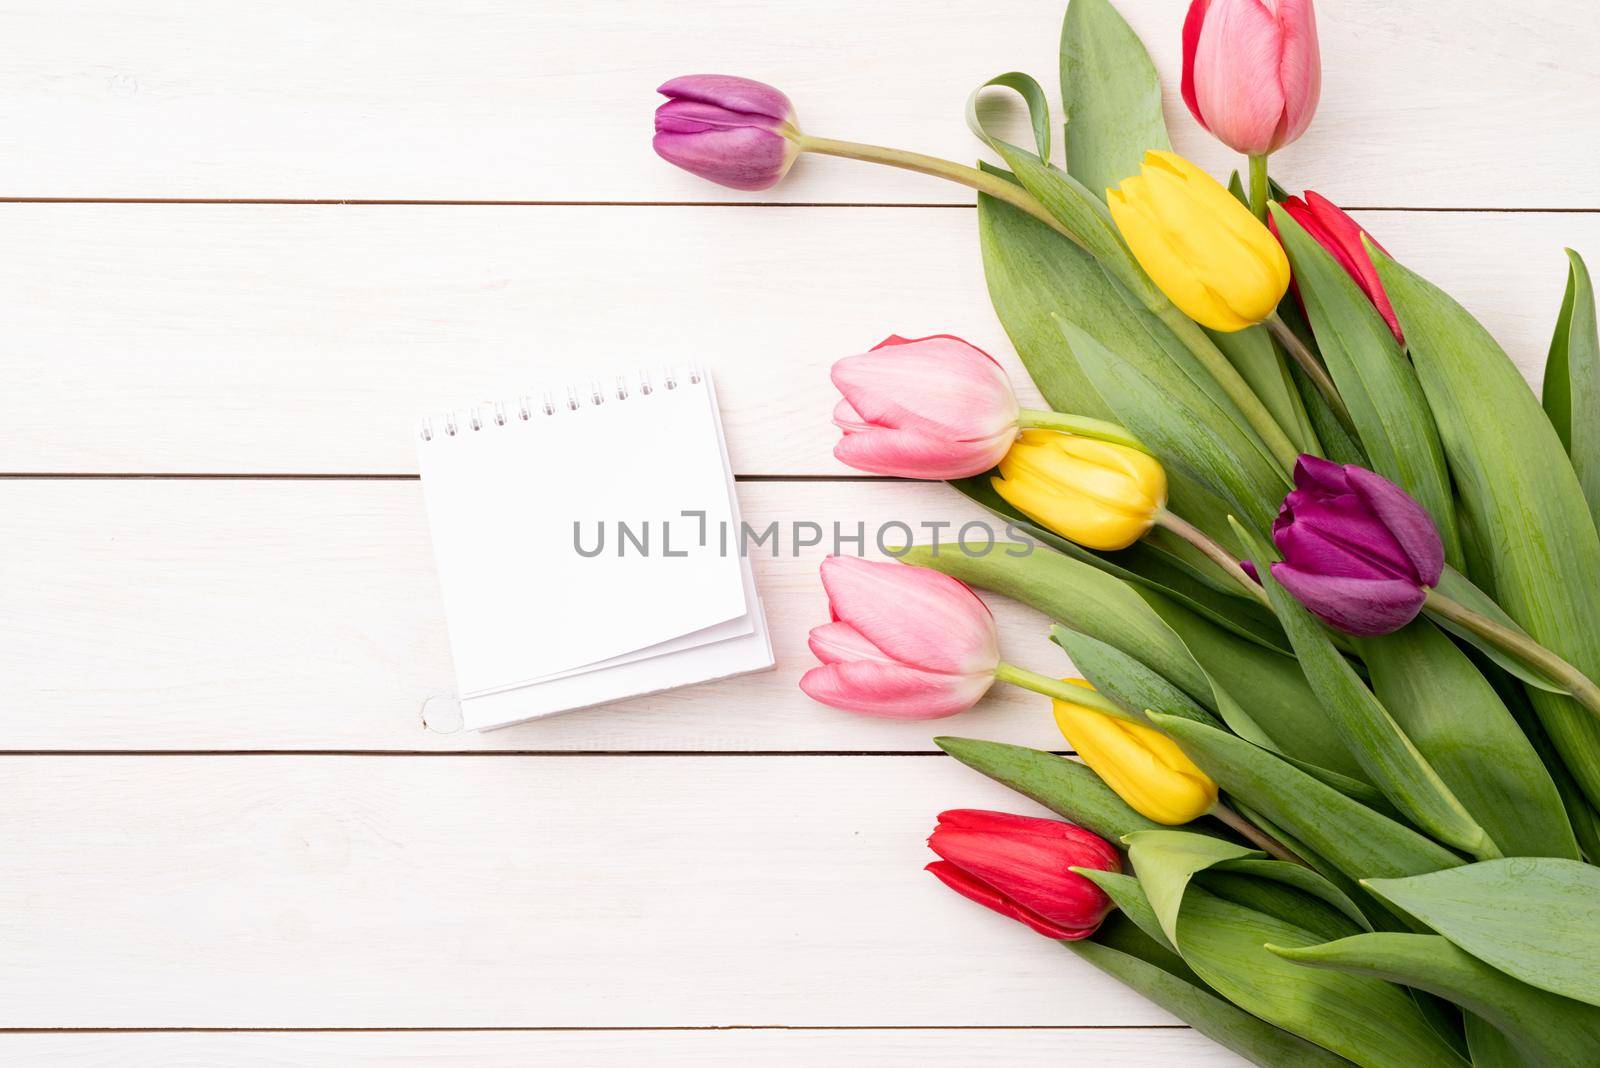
(1020, 866)
(930, 407)
(1341, 236)
(1251, 71)
(905, 642)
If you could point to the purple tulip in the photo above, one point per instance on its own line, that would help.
(734, 131)
(1358, 551)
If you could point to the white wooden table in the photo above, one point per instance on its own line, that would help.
(244, 243)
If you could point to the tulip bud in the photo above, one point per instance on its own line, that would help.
(1341, 236)
(1207, 253)
(1358, 551)
(1021, 867)
(1252, 72)
(934, 407)
(1096, 493)
(1143, 766)
(905, 642)
(735, 131)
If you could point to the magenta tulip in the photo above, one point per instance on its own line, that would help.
(1251, 71)
(734, 131)
(1021, 867)
(905, 642)
(932, 407)
(1358, 551)
(1341, 236)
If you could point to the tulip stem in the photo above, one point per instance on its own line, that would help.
(1312, 366)
(1214, 552)
(1524, 648)
(1059, 690)
(1082, 425)
(971, 177)
(1259, 189)
(1255, 835)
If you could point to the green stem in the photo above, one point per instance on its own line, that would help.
(1082, 425)
(1524, 648)
(1063, 691)
(1255, 835)
(1215, 552)
(1259, 189)
(1315, 371)
(971, 177)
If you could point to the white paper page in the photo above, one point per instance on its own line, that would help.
(720, 660)
(522, 602)
(728, 542)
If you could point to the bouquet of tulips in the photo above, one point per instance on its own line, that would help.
(1328, 567)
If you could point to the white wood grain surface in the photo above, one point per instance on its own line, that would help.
(264, 818)
(782, 1048)
(272, 339)
(1460, 104)
(350, 891)
(304, 614)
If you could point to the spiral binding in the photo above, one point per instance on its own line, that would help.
(546, 403)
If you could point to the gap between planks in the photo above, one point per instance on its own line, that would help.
(336, 202)
(579, 1030)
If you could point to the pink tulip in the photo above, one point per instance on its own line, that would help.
(905, 642)
(1020, 866)
(932, 407)
(736, 132)
(1251, 71)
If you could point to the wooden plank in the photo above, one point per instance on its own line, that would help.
(495, 100)
(304, 614)
(777, 1048)
(373, 892)
(306, 339)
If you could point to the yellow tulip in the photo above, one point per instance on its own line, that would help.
(1209, 255)
(1096, 493)
(1143, 766)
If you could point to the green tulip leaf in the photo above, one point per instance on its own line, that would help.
(1263, 368)
(1110, 95)
(1129, 897)
(1120, 933)
(1466, 734)
(1080, 212)
(1572, 380)
(1534, 918)
(1389, 758)
(1302, 879)
(1167, 859)
(1067, 788)
(1183, 425)
(1217, 1019)
(1282, 713)
(1126, 680)
(1378, 384)
(1516, 482)
(1542, 1028)
(1356, 840)
(1459, 588)
(1369, 1021)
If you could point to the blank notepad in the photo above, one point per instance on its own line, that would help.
(587, 539)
